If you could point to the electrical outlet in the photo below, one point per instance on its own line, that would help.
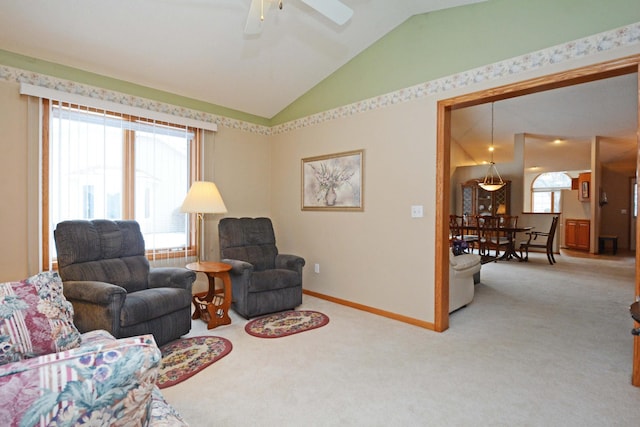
(316, 268)
(417, 211)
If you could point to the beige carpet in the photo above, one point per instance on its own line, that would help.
(540, 345)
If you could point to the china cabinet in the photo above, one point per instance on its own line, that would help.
(477, 201)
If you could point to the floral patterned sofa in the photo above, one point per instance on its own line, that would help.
(52, 375)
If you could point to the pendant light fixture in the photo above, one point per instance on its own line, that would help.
(492, 180)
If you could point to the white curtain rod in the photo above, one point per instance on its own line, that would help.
(72, 98)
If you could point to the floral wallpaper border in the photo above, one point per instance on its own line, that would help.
(621, 37)
(606, 41)
(16, 75)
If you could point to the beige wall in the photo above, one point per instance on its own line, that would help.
(240, 164)
(14, 185)
(381, 257)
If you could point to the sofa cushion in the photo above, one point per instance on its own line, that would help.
(464, 262)
(35, 318)
(97, 336)
(108, 382)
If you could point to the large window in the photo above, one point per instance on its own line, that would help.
(105, 165)
(546, 191)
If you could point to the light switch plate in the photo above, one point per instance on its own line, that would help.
(417, 211)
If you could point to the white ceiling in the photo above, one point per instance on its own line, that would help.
(605, 108)
(196, 48)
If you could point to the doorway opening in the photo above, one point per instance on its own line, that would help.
(591, 73)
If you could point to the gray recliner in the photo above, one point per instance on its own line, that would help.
(107, 278)
(262, 280)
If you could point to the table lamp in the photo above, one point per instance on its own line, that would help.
(203, 197)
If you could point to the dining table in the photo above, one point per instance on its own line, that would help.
(507, 231)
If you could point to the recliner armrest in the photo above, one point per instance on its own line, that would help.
(93, 292)
(238, 267)
(171, 277)
(289, 262)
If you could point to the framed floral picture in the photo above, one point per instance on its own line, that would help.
(333, 182)
(585, 190)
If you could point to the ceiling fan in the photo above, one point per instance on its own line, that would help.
(332, 9)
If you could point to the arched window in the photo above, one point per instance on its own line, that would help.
(546, 191)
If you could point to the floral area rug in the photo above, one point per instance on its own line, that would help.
(286, 323)
(185, 357)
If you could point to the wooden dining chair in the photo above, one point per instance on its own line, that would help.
(454, 228)
(508, 221)
(546, 242)
(458, 230)
(491, 237)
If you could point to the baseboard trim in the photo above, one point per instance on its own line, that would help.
(372, 310)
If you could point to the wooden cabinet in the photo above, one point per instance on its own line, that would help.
(476, 201)
(577, 234)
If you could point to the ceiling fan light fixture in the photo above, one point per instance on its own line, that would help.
(333, 10)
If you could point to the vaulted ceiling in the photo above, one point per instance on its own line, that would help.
(198, 49)
(573, 115)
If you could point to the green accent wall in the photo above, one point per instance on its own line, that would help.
(437, 44)
(68, 73)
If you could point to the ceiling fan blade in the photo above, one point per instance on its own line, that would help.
(254, 18)
(332, 9)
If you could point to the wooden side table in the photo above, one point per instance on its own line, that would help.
(602, 240)
(213, 306)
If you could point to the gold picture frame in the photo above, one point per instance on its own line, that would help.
(333, 182)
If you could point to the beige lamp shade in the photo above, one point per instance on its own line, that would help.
(203, 197)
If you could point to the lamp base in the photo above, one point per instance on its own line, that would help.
(199, 228)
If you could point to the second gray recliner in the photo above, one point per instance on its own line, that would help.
(263, 281)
